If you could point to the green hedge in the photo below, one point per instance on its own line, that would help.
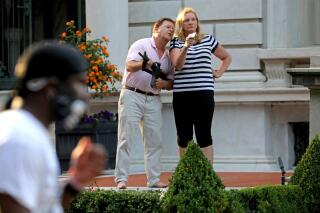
(194, 186)
(307, 175)
(116, 201)
(285, 199)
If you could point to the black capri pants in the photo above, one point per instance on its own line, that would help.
(194, 109)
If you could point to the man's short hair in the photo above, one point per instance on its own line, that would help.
(159, 22)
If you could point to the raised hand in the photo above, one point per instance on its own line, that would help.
(190, 40)
(147, 63)
(87, 162)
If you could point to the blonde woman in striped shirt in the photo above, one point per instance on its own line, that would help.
(191, 53)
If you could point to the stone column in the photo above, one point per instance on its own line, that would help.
(316, 23)
(283, 19)
(110, 18)
(315, 100)
(276, 23)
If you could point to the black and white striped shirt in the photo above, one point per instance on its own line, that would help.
(196, 73)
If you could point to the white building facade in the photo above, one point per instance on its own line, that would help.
(256, 103)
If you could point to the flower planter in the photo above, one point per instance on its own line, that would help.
(104, 133)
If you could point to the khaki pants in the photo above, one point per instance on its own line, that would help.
(139, 114)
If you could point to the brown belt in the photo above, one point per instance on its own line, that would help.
(140, 91)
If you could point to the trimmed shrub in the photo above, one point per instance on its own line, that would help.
(115, 201)
(285, 199)
(194, 186)
(307, 175)
(236, 204)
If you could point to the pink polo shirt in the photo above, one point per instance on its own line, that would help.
(141, 79)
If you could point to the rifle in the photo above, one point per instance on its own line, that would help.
(155, 70)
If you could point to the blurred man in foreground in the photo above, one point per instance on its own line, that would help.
(51, 88)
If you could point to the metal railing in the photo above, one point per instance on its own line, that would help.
(15, 31)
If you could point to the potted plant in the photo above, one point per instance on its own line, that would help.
(101, 127)
(102, 74)
(101, 78)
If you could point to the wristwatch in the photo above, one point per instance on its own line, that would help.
(71, 190)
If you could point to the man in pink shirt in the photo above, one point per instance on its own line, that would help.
(140, 106)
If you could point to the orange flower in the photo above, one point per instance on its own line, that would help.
(83, 48)
(86, 30)
(105, 38)
(105, 52)
(87, 56)
(109, 66)
(63, 35)
(79, 34)
(98, 61)
(95, 68)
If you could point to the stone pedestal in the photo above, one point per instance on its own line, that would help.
(276, 77)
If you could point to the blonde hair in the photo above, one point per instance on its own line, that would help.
(179, 33)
